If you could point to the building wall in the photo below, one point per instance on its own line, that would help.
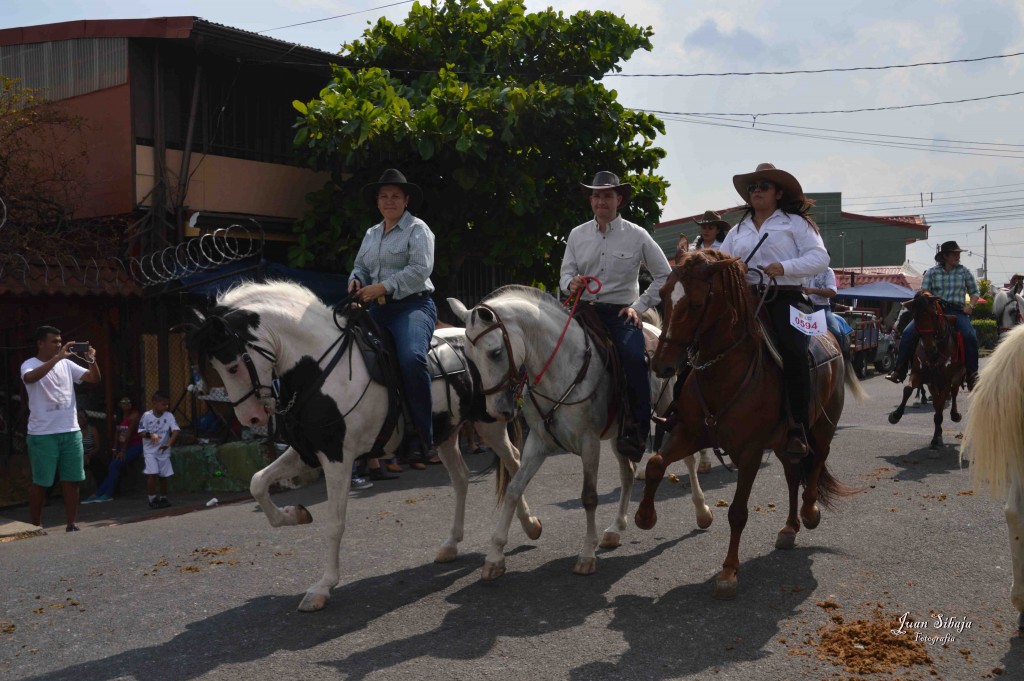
(231, 185)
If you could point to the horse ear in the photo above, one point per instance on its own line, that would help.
(198, 316)
(484, 314)
(459, 309)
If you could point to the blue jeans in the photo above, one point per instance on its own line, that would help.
(831, 322)
(116, 466)
(963, 324)
(629, 341)
(411, 322)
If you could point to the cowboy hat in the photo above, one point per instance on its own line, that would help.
(710, 217)
(396, 178)
(947, 247)
(605, 179)
(789, 185)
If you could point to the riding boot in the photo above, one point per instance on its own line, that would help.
(972, 380)
(632, 441)
(796, 442)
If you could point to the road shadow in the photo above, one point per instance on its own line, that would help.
(916, 465)
(551, 599)
(266, 625)
(1014, 657)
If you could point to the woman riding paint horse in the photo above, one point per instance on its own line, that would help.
(1008, 305)
(329, 407)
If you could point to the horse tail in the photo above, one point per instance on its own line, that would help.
(830, 488)
(501, 480)
(652, 317)
(852, 382)
(994, 435)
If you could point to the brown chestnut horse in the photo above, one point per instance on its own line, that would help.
(938, 361)
(734, 398)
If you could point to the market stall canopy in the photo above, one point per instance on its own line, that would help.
(879, 290)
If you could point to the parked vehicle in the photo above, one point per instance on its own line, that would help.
(870, 345)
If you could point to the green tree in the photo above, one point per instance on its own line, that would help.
(498, 114)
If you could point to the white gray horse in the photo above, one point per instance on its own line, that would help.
(332, 407)
(1008, 308)
(994, 444)
(512, 336)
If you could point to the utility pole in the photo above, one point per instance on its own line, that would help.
(984, 259)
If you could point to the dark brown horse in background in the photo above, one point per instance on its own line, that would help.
(734, 398)
(938, 361)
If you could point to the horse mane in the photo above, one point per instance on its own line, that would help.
(237, 310)
(733, 273)
(518, 291)
(994, 434)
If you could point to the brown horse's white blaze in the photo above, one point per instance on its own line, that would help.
(994, 444)
(734, 398)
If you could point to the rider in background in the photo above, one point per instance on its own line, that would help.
(612, 250)
(952, 282)
(712, 231)
(392, 276)
(821, 289)
(792, 251)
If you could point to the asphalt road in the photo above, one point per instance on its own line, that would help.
(213, 595)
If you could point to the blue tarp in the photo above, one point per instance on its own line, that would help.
(879, 290)
(330, 288)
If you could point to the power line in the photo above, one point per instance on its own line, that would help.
(361, 11)
(891, 145)
(943, 191)
(804, 71)
(755, 116)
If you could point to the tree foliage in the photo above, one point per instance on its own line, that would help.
(40, 165)
(498, 114)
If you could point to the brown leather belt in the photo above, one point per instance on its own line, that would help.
(413, 296)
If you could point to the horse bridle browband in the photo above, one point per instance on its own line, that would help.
(515, 378)
(250, 367)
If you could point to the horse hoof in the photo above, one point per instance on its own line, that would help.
(302, 516)
(705, 517)
(811, 522)
(725, 591)
(492, 571)
(610, 540)
(646, 521)
(785, 540)
(535, 529)
(312, 602)
(447, 554)
(704, 467)
(956, 417)
(894, 417)
(585, 566)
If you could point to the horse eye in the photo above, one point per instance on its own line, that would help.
(233, 369)
(494, 354)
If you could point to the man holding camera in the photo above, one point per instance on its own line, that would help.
(54, 438)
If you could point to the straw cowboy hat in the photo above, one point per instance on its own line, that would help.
(710, 217)
(393, 177)
(605, 179)
(947, 247)
(766, 171)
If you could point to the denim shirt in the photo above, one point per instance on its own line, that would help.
(402, 260)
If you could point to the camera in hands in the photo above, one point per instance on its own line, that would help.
(80, 347)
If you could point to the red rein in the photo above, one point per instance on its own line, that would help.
(573, 300)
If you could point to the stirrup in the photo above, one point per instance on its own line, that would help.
(796, 443)
(896, 376)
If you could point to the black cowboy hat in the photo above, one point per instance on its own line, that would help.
(789, 185)
(947, 247)
(394, 177)
(605, 179)
(710, 217)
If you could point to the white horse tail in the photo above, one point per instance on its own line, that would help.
(994, 435)
(999, 304)
(652, 317)
(853, 383)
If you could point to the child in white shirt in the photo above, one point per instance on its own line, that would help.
(159, 430)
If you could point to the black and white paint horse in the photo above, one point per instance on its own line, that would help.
(333, 408)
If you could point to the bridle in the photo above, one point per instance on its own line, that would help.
(933, 334)
(254, 378)
(515, 377)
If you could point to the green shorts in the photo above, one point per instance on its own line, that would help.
(59, 452)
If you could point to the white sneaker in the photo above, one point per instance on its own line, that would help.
(360, 483)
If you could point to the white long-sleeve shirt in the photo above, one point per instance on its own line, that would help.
(791, 242)
(614, 257)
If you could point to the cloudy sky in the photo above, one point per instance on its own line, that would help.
(964, 159)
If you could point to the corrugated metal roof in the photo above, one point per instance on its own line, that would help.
(67, 68)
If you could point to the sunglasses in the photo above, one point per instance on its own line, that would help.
(763, 185)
